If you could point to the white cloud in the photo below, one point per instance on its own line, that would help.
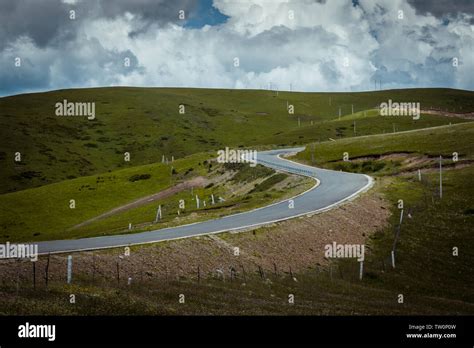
(309, 51)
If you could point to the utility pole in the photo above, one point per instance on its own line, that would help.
(440, 177)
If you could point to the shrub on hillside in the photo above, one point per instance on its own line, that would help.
(138, 177)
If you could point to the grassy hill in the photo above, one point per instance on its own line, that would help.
(432, 279)
(430, 143)
(146, 122)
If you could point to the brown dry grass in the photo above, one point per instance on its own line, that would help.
(297, 243)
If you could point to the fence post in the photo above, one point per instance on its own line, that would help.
(440, 177)
(93, 267)
(118, 273)
(243, 272)
(69, 269)
(46, 271)
(17, 276)
(262, 275)
(34, 275)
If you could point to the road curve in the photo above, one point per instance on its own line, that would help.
(332, 188)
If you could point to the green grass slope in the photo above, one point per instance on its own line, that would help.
(146, 122)
(432, 143)
(44, 212)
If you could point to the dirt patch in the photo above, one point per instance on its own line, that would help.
(297, 244)
(412, 162)
(300, 243)
(433, 167)
(467, 115)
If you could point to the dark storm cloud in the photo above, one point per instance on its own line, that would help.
(57, 53)
(47, 22)
(39, 20)
(153, 10)
(45, 71)
(442, 8)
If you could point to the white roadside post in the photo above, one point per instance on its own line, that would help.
(158, 214)
(197, 202)
(69, 269)
(396, 238)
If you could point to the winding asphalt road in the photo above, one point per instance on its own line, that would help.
(331, 188)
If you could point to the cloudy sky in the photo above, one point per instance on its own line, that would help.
(310, 45)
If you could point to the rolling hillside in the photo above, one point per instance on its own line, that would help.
(146, 122)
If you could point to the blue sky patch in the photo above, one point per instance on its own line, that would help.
(206, 14)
